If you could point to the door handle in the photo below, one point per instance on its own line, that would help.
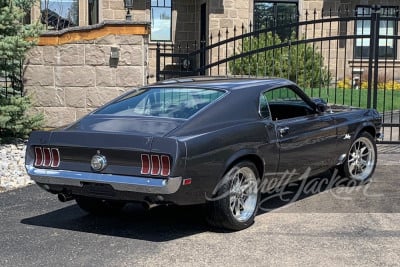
(283, 131)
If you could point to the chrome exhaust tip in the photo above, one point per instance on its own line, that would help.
(65, 197)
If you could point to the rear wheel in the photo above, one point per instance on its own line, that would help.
(235, 204)
(99, 206)
(361, 159)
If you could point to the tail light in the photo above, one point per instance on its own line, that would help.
(47, 157)
(38, 156)
(55, 154)
(155, 164)
(145, 164)
(165, 165)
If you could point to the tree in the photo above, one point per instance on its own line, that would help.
(301, 63)
(15, 40)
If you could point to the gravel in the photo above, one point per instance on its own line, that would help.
(12, 167)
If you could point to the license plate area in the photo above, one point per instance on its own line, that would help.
(98, 189)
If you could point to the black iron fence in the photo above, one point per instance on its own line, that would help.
(11, 81)
(347, 57)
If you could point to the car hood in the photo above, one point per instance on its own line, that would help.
(149, 126)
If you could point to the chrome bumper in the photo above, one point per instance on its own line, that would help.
(118, 182)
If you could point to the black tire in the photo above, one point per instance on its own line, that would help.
(361, 159)
(99, 206)
(235, 202)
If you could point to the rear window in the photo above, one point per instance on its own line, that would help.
(179, 103)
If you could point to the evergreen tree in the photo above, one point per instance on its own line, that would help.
(16, 39)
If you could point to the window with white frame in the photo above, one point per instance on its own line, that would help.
(387, 31)
(281, 12)
(161, 15)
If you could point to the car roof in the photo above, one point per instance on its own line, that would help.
(224, 82)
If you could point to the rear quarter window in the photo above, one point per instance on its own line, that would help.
(179, 103)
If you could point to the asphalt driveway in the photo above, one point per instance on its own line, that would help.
(324, 225)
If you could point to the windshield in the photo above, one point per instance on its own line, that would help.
(179, 103)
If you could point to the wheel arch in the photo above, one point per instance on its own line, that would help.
(249, 156)
(366, 127)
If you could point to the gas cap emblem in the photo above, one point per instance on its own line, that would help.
(98, 162)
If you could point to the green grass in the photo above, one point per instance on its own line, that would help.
(387, 99)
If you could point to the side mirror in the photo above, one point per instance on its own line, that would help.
(320, 105)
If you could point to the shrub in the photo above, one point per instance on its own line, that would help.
(344, 84)
(15, 122)
(302, 63)
(389, 85)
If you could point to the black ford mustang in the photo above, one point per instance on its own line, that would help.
(191, 141)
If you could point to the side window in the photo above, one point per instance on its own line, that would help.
(285, 103)
(264, 110)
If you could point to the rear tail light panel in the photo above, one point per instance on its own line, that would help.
(151, 164)
(157, 165)
(47, 157)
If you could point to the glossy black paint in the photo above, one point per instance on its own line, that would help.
(206, 145)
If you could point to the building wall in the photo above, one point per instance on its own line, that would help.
(67, 79)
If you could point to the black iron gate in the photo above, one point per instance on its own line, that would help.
(347, 57)
(11, 83)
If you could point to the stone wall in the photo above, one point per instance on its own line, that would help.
(224, 15)
(68, 80)
(114, 10)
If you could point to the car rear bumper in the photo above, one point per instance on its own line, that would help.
(147, 185)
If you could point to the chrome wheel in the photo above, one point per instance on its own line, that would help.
(361, 159)
(243, 195)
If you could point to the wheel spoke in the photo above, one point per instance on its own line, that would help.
(352, 167)
(365, 154)
(237, 208)
(351, 160)
(363, 162)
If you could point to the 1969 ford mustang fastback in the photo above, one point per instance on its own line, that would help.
(201, 140)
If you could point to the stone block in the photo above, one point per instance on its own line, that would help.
(75, 97)
(75, 76)
(107, 40)
(106, 77)
(119, 14)
(226, 23)
(98, 96)
(71, 55)
(39, 75)
(128, 39)
(115, 5)
(130, 76)
(229, 4)
(106, 4)
(242, 4)
(50, 55)
(108, 14)
(131, 56)
(233, 13)
(58, 116)
(244, 14)
(34, 56)
(97, 55)
(45, 96)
